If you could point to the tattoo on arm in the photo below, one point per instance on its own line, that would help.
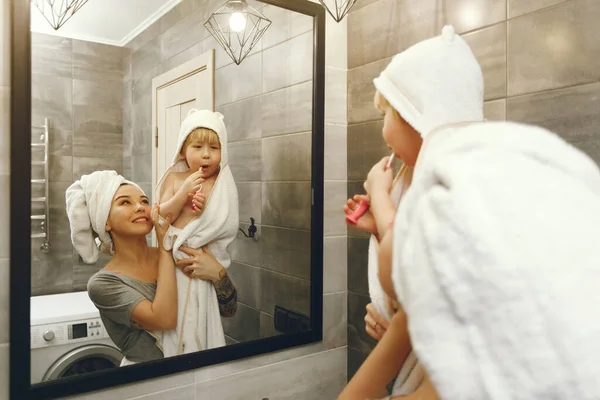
(136, 325)
(226, 294)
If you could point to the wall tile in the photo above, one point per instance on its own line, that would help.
(244, 325)
(335, 264)
(183, 57)
(591, 147)
(556, 52)
(97, 62)
(4, 301)
(60, 168)
(285, 24)
(51, 97)
(288, 63)
(317, 376)
(51, 55)
(336, 43)
(181, 393)
(87, 165)
(571, 112)
(284, 291)
(4, 371)
(238, 82)
(355, 360)
(489, 47)
(91, 118)
(4, 130)
(366, 147)
(519, 7)
(267, 326)
(177, 13)
(52, 274)
(243, 119)
(335, 152)
(466, 15)
(287, 251)
(245, 160)
(4, 44)
(141, 39)
(287, 158)
(247, 281)
(250, 204)
(105, 94)
(94, 144)
(335, 198)
(183, 35)
(400, 26)
(495, 110)
(336, 95)
(288, 110)
(358, 254)
(357, 335)
(4, 216)
(146, 57)
(286, 204)
(245, 250)
(142, 88)
(361, 91)
(335, 319)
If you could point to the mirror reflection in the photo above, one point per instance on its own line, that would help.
(136, 106)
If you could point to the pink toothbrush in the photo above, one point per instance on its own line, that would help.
(363, 206)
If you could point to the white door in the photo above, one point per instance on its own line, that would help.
(174, 93)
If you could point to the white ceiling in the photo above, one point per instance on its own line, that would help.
(113, 22)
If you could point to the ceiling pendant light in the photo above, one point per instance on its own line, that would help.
(237, 27)
(57, 12)
(338, 9)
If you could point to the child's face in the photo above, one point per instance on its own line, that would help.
(385, 264)
(202, 154)
(404, 141)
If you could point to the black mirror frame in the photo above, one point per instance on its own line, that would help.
(20, 230)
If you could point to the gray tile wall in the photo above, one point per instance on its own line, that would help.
(76, 85)
(323, 382)
(540, 66)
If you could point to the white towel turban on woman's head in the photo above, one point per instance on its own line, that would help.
(88, 204)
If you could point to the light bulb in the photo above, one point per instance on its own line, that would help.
(237, 22)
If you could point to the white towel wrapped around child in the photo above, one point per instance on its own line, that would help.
(199, 324)
(497, 264)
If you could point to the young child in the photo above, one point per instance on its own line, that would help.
(199, 192)
(426, 105)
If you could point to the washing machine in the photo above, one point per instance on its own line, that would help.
(68, 338)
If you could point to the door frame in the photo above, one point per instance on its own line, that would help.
(205, 61)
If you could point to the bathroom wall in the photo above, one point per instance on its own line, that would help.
(540, 64)
(267, 104)
(316, 371)
(77, 86)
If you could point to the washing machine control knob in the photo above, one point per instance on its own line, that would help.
(48, 336)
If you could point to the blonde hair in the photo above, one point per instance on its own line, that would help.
(202, 135)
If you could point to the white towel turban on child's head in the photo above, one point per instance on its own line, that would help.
(88, 204)
(434, 83)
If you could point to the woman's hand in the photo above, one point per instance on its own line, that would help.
(380, 178)
(161, 225)
(198, 200)
(376, 325)
(367, 221)
(192, 183)
(202, 264)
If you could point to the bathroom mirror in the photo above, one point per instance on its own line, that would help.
(109, 90)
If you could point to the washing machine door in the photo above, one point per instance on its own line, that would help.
(84, 359)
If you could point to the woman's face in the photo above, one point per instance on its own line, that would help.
(129, 213)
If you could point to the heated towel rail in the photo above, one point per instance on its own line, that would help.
(35, 181)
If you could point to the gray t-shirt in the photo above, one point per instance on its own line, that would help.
(116, 296)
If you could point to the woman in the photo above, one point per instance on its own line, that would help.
(136, 292)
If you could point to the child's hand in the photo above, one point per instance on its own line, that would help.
(379, 179)
(367, 221)
(161, 225)
(198, 202)
(192, 183)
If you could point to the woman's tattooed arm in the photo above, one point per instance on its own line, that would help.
(226, 294)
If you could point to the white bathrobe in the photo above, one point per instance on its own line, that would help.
(199, 324)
